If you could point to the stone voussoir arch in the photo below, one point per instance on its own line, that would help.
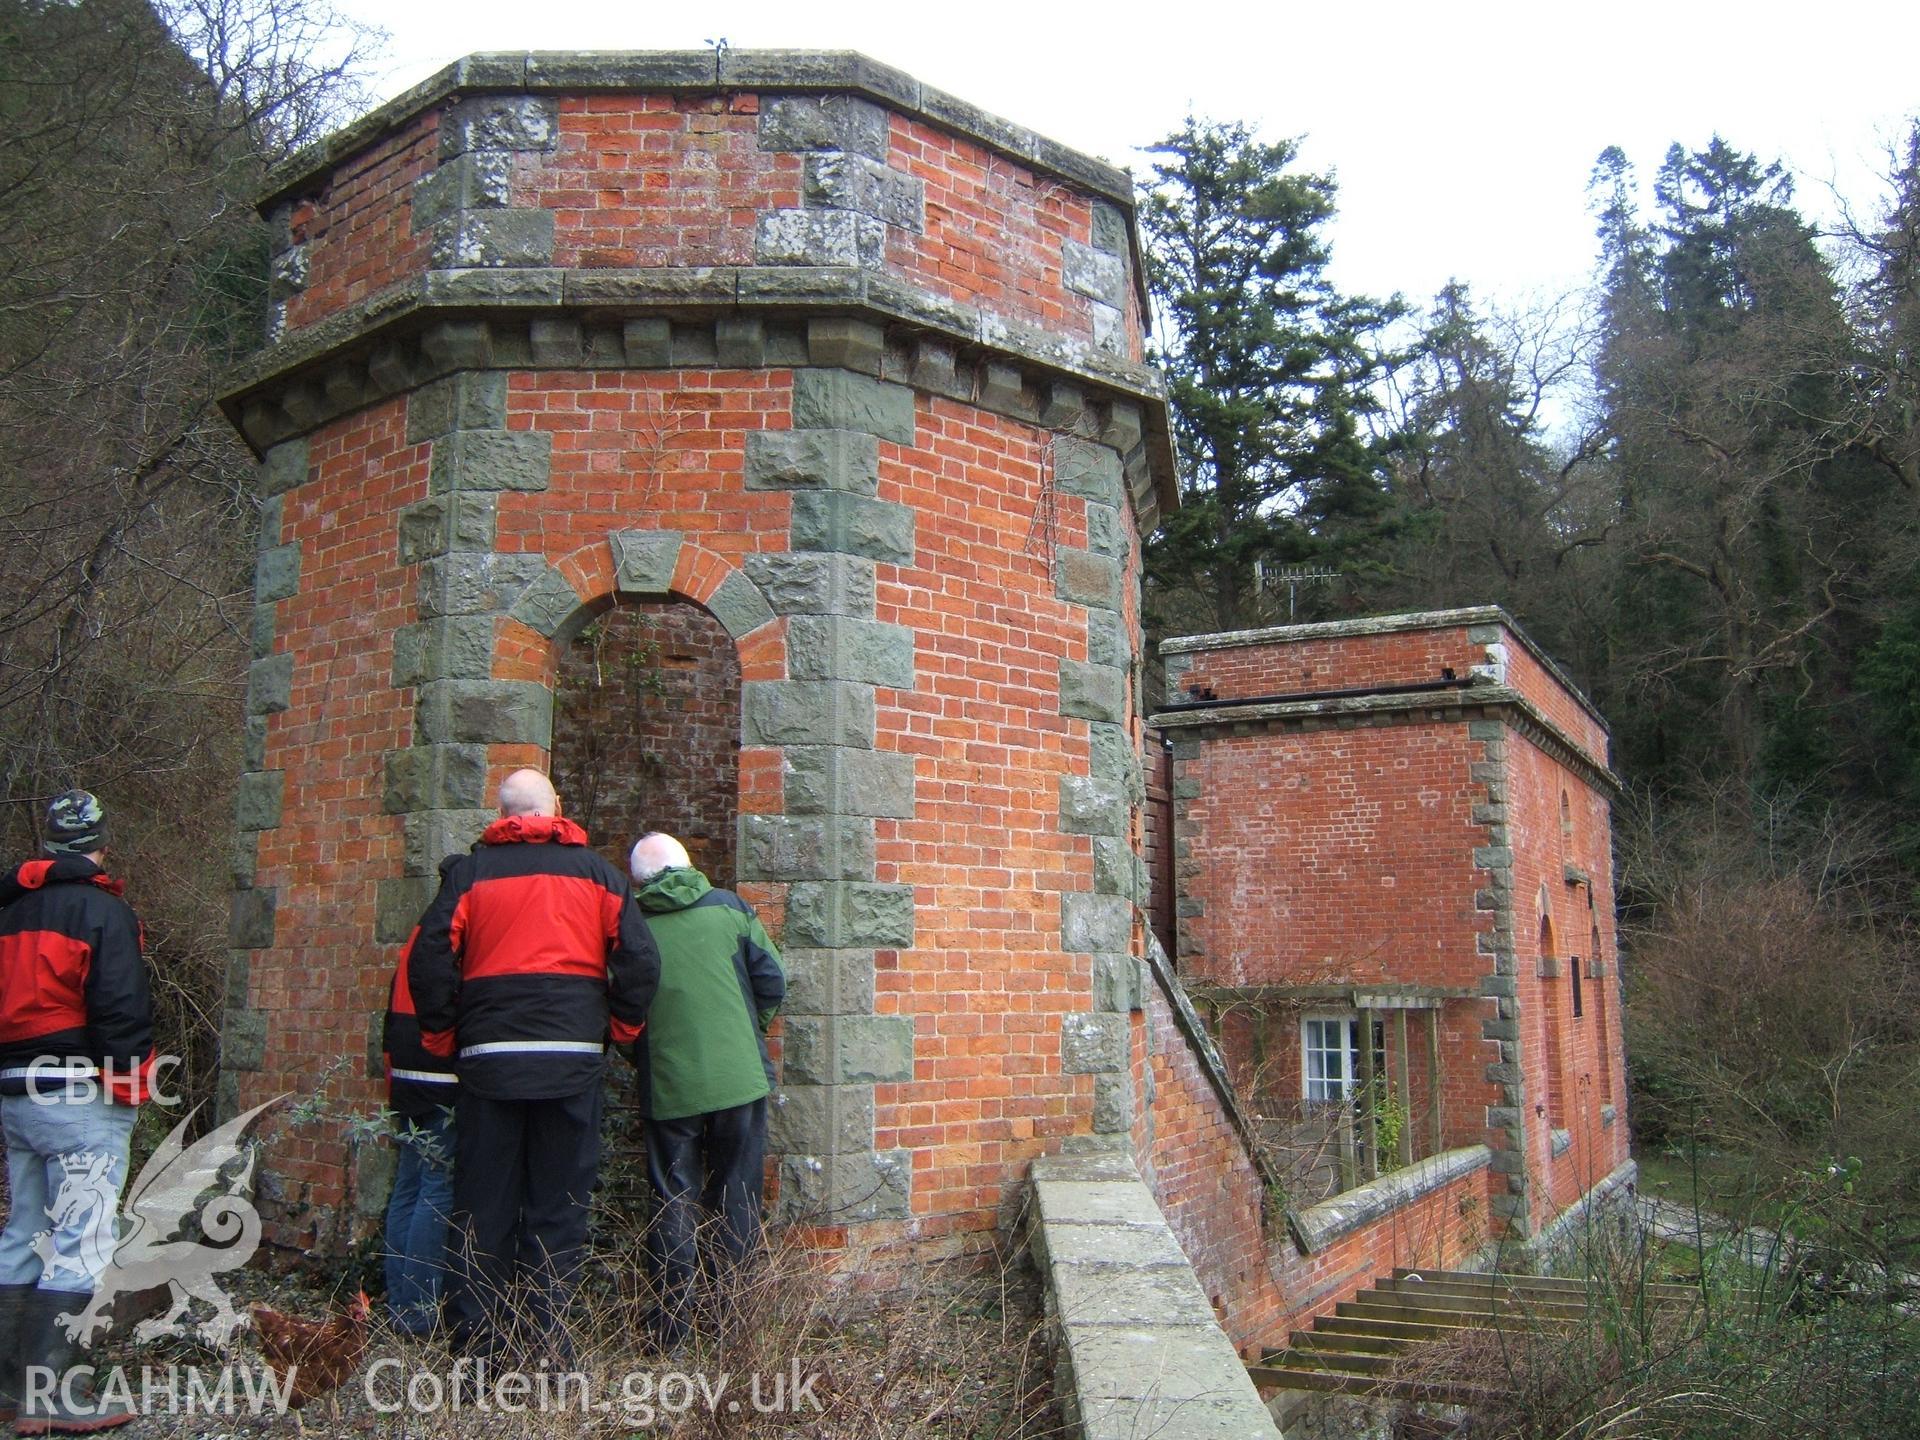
(641, 565)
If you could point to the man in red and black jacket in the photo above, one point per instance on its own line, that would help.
(530, 958)
(76, 1060)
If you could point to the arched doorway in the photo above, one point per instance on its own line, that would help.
(646, 736)
(646, 730)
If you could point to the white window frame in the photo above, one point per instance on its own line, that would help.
(1350, 1078)
(1308, 1049)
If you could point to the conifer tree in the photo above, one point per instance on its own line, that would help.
(1269, 368)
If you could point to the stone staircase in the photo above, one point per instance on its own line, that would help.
(1370, 1344)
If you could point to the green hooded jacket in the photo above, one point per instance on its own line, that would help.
(721, 982)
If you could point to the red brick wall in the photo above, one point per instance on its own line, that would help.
(1213, 1196)
(358, 229)
(1208, 1188)
(1334, 855)
(659, 180)
(635, 449)
(1407, 657)
(994, 230)
(1344, 662)
(335, 840)
(1556, 702)
(1573, 1057)
(984, 980)
(641, 180)
(1441, 1229)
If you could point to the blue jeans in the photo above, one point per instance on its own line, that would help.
(417, 1223)
(66, 1163)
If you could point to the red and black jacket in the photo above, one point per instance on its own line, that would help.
(530, 957)
(418, 1081)
(74, 996)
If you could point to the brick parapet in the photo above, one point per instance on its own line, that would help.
(556, 184)
(1480, 644)
(677, 73)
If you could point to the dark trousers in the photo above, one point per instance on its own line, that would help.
(523, 1173)
(706, 1174)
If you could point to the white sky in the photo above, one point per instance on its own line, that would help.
(1462, 133)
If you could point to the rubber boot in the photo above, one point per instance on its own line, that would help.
(13, 1299)
(44, 1342)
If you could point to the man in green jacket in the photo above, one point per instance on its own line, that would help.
(704, 1073)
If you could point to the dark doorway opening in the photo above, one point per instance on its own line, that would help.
(646, 731)
(646, 736)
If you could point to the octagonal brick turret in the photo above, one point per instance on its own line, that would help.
(846, 361)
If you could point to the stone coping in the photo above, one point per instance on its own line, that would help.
(1138, 1350)
(696, 72)
(1556, 1239)
(1386, 625)
(724, 72)
(1479, 695)
(1207, 1055)
(1320, 1225)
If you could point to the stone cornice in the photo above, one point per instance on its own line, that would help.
(1481, 701)
(698, 72)
(440, 321)
(1386, 625)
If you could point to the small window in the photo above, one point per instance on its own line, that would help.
(1573, 969)
(1330, 1052)
(1329, 1076)
(1566, 815)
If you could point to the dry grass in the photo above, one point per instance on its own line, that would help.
(949, 1352)
(1745, 1357)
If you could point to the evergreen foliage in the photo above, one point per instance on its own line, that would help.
(1696, 485)
(1271, 371)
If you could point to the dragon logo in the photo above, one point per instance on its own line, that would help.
(150, 1252)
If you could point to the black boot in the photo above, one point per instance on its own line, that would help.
(13, 1299)
(49, 1355)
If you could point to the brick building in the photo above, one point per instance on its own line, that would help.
(1395, 868)
(796, 413)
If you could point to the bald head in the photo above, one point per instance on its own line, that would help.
(528, 792)
(655, 852)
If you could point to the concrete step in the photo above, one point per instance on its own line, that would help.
(1340, 1382)
(1285, 1378)
(1345, 1361)
(1439, 1320)
(1404, 1331)
(1545, 1284)
(1419, 1297)
(1337, 1340)
(1383, 1305)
